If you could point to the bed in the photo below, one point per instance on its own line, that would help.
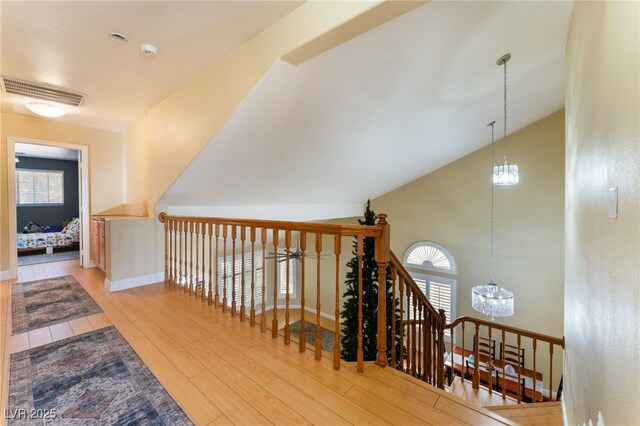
(68, 237)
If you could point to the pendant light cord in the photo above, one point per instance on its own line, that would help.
(492, 189)
(505, 113)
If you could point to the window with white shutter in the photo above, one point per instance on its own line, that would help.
(439, 287)
(227, 270)
(39, 187)
(282, 278)
(440, 291)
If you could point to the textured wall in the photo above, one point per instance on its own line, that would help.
(602, 271)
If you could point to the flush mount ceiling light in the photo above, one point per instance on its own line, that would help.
(46, 110)
(118, 37)
(505, 174)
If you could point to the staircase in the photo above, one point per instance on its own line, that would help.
(541, 414)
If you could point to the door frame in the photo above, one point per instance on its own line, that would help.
(84, 207)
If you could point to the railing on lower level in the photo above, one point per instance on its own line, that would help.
(418, 347)
(514, 362)
(236, 265)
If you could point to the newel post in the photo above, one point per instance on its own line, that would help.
(382, 256)
(441, 349)
(162, 218)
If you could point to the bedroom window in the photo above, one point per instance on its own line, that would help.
(39, 187)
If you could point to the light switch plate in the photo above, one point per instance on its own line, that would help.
(613, 202)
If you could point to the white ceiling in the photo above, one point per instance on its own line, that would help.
(66, 43)
(384, 108)
(45, 151)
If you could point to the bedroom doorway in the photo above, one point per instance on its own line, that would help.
(48, 186)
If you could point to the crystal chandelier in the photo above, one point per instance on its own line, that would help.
(490, 299)
(505, 174)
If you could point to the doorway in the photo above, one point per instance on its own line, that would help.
(48, 189)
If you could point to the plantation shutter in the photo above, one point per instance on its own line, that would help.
(283, 277)
(238, 272)
(440, 297)
(438, 293)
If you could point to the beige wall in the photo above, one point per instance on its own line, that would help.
(451, 207)
(136, 162)
(105, 164)
(602, 271)
(175, 130)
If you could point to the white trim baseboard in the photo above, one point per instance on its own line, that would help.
(6, 275)
(322, 314)
(128, 283)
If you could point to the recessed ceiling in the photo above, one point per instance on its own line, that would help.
(383, 109)
(67, 44)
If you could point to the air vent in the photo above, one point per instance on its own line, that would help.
(41, 91)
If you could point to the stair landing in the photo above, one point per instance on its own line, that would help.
(480, 396)
(542, 414)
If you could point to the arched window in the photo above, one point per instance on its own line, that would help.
(437, 277)
(430, 256)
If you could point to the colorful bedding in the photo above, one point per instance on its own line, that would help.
(69, 235)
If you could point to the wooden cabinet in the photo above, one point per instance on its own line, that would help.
(98, 247)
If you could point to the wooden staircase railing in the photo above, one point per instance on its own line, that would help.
(528, 381)
(213, 259)
(207, 258)
(419, 342)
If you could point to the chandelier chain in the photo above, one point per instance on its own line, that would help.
(491, 264)
(505, 112)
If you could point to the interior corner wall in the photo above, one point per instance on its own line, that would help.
(452, 207)
(602, 270)
(183, 123)
(105, 163)
(136, 163)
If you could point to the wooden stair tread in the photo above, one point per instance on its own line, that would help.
(544, 413)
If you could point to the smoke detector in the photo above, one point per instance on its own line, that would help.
(148, 49)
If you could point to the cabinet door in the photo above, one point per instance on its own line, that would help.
(102, 248)
(95, 247)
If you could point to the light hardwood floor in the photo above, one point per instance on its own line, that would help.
(221, 371)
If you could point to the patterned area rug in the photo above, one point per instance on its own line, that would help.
(37, 304)
(35, 259)
(326, 336)
(92, 379)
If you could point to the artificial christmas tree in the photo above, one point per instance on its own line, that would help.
(349, 313)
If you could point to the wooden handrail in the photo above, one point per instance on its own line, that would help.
(205, 276)
(420, 347)
(322, 228)
(422, 298)
(412, 340)
(509, 329)
(524, 382)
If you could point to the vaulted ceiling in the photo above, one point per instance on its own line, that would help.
(384, 108)
(352, 123)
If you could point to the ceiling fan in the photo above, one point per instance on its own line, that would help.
(295, 254)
